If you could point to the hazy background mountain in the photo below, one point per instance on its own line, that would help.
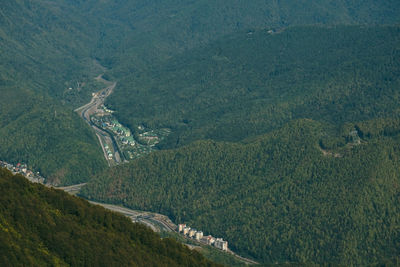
(159, 29)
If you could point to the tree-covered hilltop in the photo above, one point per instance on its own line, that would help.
(46, 227)
(281, 197)
(248, 83)
(55, 37)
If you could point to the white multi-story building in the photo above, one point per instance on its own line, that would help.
(180, 227)
(199, 235)
(209, 240)
(186, 230)
(192, 232)
(221, 244)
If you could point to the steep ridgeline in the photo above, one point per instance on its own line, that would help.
(45, 227)
(249, 83)
(43, 57)
(303, 193)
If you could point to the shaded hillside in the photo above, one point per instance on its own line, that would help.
(49, 138)
(44, 46)
(161, 28)
(280, 197)
(251, 82)
(44, 53)
(46, 227)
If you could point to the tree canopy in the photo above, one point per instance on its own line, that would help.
(46, 227)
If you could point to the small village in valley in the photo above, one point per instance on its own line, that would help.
(131, 145)
(121, 144)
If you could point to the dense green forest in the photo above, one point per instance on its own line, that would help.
(280, 197)
(251, 82)
(46, 227)
(46, 48)
(284, 119)
(158, 29)
(50, 139)
(39, 62)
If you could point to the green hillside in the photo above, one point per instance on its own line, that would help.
(249, 83)
(50, 139)
(46, 227)
(158, 29)
(284, 119)
(44, 53)
(280, 197)
(46, 48)
(319, 187)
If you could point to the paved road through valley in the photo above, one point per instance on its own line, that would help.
(91, 108)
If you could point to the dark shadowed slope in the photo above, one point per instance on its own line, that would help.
(249, 83)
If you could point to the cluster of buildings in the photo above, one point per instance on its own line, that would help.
(107, 110)
(198, 235)
(131, 146)
(108, 151)
(22, 169)
(123, 133)
(149, 137)
(117, 128)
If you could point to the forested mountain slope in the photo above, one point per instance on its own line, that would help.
(319, 185)
(248, 83)
(46, 227)
(158, 29)
(44, 52)
(49, 138)
(279, 197)
(48, 47)
(43, 45)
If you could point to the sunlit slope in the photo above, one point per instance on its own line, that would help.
(286, 196)
(310, 172)
(45, 227)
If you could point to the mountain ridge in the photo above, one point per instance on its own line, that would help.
(295, 203)
(69, 231)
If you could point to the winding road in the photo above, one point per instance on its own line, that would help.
(91, 108)
(157, 222)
